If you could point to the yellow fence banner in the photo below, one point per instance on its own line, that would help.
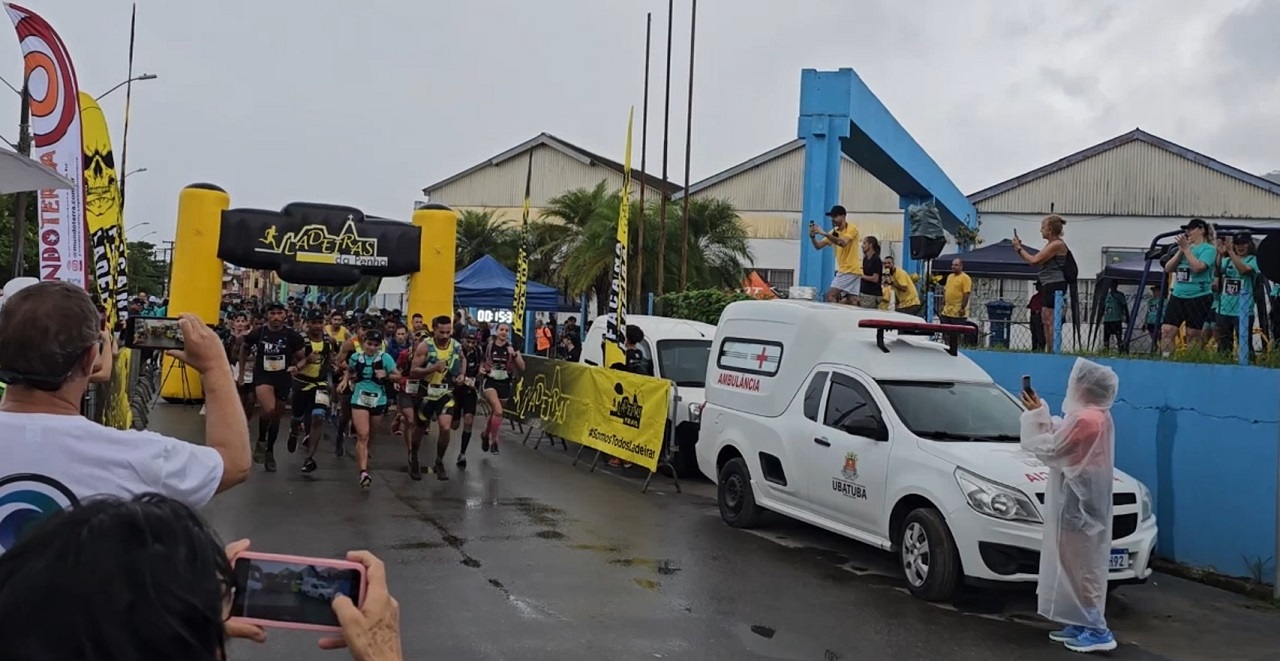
(116, 410)
(618, 413)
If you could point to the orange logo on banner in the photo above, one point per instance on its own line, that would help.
(756, 287)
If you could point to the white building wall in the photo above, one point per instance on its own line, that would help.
(502, 185)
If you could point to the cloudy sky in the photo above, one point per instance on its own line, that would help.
(364, 103)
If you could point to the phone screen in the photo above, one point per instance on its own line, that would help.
(291, 592)
(153, 333)
(1026, 385)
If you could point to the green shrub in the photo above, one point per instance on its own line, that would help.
(703, 305)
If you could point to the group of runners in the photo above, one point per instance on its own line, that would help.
(344, 371)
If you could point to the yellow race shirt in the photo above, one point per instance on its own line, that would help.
(849, 256)
(908, 297)
(953, 296)
(341, 335)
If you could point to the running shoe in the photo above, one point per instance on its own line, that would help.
(309, 466)
(1069, 633)
(259, 450)
(365, 481)
(493, 449)
(1092, 640)
(462, 461)
(438, 469)
(415, 470)
(292, 444)
(484, 442)
(269, 462)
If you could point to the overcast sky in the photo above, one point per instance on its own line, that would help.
(364, 103)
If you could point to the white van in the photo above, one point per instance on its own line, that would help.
(678, 349)
(888, 438)
(317, 588)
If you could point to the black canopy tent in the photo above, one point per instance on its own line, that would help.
(997, 260)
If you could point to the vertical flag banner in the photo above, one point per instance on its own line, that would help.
(616, 314)
(519, 303)
(103, 213)
(55, 127)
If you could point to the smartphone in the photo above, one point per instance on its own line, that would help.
(1026, 385)
(1015, 233)
(293, 592)
(153, 333)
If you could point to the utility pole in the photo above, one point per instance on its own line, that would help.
(20, 199)
(644, 153)
(666, 138)
(688, 155)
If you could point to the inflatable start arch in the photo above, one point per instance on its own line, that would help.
(305, 243)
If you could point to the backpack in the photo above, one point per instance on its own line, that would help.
(455, 353)
(1070, 269)
(375, 362)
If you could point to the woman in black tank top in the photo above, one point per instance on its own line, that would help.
(502, 366)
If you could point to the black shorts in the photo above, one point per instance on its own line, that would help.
(304, 402)
(282, 387)
(503, 388)
(464, 400)
(1194, 312)
(406, 401)
(434, 408)
(1048, 294)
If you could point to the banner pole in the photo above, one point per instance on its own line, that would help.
(666, 143)
(644, 153)
(20, 199)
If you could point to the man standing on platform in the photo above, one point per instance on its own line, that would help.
(843, 237)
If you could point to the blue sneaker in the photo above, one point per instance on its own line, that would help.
(1069, 633)
(1093, 640)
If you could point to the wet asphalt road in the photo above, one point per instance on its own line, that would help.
(522, 556)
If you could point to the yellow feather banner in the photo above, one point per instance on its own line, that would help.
(616, 315)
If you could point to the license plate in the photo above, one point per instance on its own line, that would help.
(1119, 560)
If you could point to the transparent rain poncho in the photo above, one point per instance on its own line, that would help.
(1079, 449)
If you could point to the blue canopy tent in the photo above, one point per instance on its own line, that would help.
(997, 260)
(1130, 271)
(486, 283)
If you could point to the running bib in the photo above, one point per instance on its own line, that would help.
(498, 375)
(322, 398)
(1231, 287)
(436, 392)
(368, 399)
(411, 388)
(1182, 275)
(273, 363)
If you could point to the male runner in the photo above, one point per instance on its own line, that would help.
(465, 395)
(336, 329)
(311, 387)
(408, 399)
(439, 363)
(278, 350)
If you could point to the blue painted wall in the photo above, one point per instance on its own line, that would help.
(1203, 438)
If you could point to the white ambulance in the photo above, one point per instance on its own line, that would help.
(678, 349)
(855, 421)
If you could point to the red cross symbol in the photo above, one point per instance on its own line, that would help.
(762, 358)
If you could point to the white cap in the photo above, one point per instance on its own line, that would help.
(16, 285)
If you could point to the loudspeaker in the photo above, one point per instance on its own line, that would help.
(924, 248)
(1268, 255)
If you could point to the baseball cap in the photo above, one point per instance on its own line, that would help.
(16, 285)
(1242, 238)
(373, 336)
(1196, 223)
(315, 314)
(837, 210)
(274, 305)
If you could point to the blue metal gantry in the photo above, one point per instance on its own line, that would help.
(839, 114)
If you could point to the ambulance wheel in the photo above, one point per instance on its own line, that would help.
(733, 493)
(928, 556)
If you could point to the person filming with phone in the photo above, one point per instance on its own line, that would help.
(1079, 449)
(50, 341)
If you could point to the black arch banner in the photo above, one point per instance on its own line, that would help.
(319, 244)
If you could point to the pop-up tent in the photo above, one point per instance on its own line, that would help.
(1130, 271)
(486, 283)
(997, 260)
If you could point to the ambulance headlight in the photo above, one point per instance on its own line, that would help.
(996, 500)
(1148, 505)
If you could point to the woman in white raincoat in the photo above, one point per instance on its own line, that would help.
(1079, 450)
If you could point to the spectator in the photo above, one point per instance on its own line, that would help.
(49, 342)
(1034, 306)
(1113, 316)
(147, 579)
(1154, 304)
(571, 327)
(542, 338)
(870, 290)
(906, 298)
(571, 347)
(1238, 268)
(1054, 260)
(955, 295)
(1275, 313)
(1191, 301)
(843, 238)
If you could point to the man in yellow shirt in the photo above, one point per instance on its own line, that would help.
(955, 298)
(904, 290)
(843, 237)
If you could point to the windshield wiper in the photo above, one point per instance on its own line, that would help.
(970, 438)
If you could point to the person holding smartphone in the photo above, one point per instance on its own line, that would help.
(50, 341)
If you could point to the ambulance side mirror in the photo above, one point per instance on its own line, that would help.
(868, 427)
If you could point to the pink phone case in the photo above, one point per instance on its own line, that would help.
(297, 559)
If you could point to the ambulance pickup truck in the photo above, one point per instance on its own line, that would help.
(855, 421)
(678, 349)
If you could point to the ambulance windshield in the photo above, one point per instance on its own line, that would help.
(948, 411)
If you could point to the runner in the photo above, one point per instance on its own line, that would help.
(368, 378)
(408, 399)
(335, 329)
(500, 361)
(439, 362)
(350, 346)
(278, 350)
(240, 329)
(311, 387)
(465, 395)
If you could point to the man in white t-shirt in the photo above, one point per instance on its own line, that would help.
(51, 457)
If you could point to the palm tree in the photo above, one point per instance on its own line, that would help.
(480, 233)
